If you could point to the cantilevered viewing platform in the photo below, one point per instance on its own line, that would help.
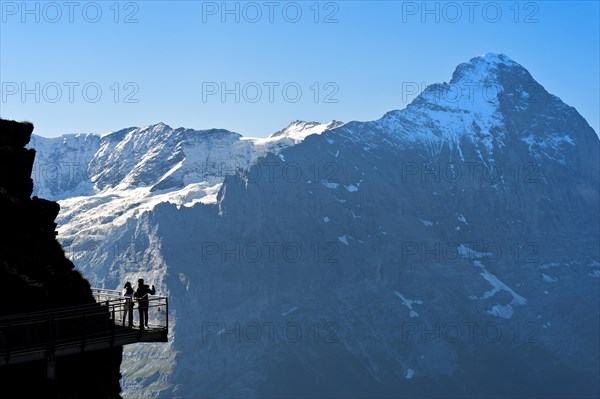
(66, 331)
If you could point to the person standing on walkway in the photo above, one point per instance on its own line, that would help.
(141, 296)
(128, 305)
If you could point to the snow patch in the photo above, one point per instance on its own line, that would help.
(548, 279)
(409, 303)
(329, 184)
(549, 265)
(595, 273)
(469, 253)
(290, 310)
(500, 286)
(504, 312)
(549, 146)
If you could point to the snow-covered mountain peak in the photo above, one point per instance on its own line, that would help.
(471, 106)
(474, 106)
(495, 58)
(158, 127)
(299, 130)
(483, 69)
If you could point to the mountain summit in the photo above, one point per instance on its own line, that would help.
(445, 249)
(299, 130)
(487, 97)
(484, 68)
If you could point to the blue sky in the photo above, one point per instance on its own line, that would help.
(253, 67)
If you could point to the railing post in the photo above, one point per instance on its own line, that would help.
(114, 321)
(51, 369)
(7, 340)
(50, 363)
(50, 333)
(83, 332)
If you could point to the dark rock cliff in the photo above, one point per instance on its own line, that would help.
(35, 275)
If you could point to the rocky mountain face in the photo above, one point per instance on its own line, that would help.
(35, 275)
(447, 249)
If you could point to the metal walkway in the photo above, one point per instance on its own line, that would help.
(66, 331)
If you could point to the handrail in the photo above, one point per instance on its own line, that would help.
(117, 298)
(65, 309)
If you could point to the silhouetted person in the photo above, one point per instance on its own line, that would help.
(141, 295)
(128, 305)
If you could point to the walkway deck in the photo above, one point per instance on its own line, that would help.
(66, 331)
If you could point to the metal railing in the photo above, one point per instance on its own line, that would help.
(66, 330)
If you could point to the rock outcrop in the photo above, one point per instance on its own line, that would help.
(35, 275)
